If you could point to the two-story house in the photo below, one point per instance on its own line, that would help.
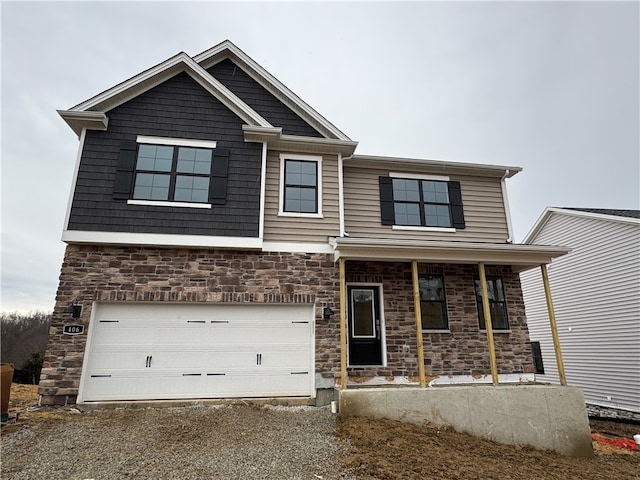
(225, 240)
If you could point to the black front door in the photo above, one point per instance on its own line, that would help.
(365, 327)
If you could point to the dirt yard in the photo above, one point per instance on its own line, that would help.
(393, 450)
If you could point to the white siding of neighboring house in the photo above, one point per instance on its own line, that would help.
(596, 294)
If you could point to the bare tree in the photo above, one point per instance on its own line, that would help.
(23, 341)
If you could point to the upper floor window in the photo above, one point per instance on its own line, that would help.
(172, 172)
(179, 174)
(421, 202)
(301, 185)
(497, 304)
(433, 303)
(417, 202)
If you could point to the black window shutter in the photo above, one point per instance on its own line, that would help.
(219, 169)
(455, 200)
(125, 171)
(387, 214)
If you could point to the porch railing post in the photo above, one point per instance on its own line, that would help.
(418, 310)
(487, 321)
(552, 323)
(343, 325)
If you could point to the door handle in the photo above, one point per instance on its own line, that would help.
(146, 362)
(150, 357)
(258, 359)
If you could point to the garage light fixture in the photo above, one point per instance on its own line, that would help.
(327, 312)
(74, 309)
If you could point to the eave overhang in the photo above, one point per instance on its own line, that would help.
(436, 166)
(519, 257)
(276, 140)
(81, 120)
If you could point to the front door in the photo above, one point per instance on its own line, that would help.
(365, 325)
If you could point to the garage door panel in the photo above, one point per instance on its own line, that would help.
(165, 351)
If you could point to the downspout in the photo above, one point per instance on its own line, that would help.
(341, 195)
(263, 189)
(505, 201)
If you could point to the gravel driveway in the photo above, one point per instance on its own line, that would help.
(204, 442)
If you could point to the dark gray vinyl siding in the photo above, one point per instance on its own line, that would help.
(258, 98)
(178, 108)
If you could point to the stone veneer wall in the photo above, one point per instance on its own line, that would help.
(148, 274)
(463, 351)
(110, 273)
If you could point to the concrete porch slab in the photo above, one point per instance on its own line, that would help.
(546, 417)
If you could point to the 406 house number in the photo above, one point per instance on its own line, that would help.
(73, 329)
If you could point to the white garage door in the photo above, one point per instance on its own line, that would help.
(172, 351)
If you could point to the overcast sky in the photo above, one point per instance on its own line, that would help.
(551, 87)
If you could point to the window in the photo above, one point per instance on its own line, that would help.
(536, 353)
(421, 202)
(433, 303)
(167, 173)
(497, 304)
(301, 192)
(418, 202)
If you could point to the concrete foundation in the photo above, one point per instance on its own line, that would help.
(544, 416)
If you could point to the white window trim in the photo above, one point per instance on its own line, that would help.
(176, 142)
(417, 176)
(308, 158)
(163, 203)
(424, 229)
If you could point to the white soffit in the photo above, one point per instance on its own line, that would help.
(228, 50)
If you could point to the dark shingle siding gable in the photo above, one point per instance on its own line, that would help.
(258, 98)
(607, 211)
(178, 108)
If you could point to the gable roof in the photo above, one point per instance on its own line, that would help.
(138, 84)
(91, 113)
(607, 211)
(227, 49)
(624, 216)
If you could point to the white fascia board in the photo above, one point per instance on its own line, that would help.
(156, 239)
(537, 226)
(133, 81)
(442, 165)
(79, 121)
(550, 211)
(153, 76)
(520, 257)
(277, 141)
(270, 83)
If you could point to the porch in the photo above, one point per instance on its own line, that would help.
(506, 406)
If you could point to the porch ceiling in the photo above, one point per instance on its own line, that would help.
(520, 257)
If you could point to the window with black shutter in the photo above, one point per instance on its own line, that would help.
(171, 173)
(414, 202)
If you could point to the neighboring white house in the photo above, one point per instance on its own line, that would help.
(596, 294)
